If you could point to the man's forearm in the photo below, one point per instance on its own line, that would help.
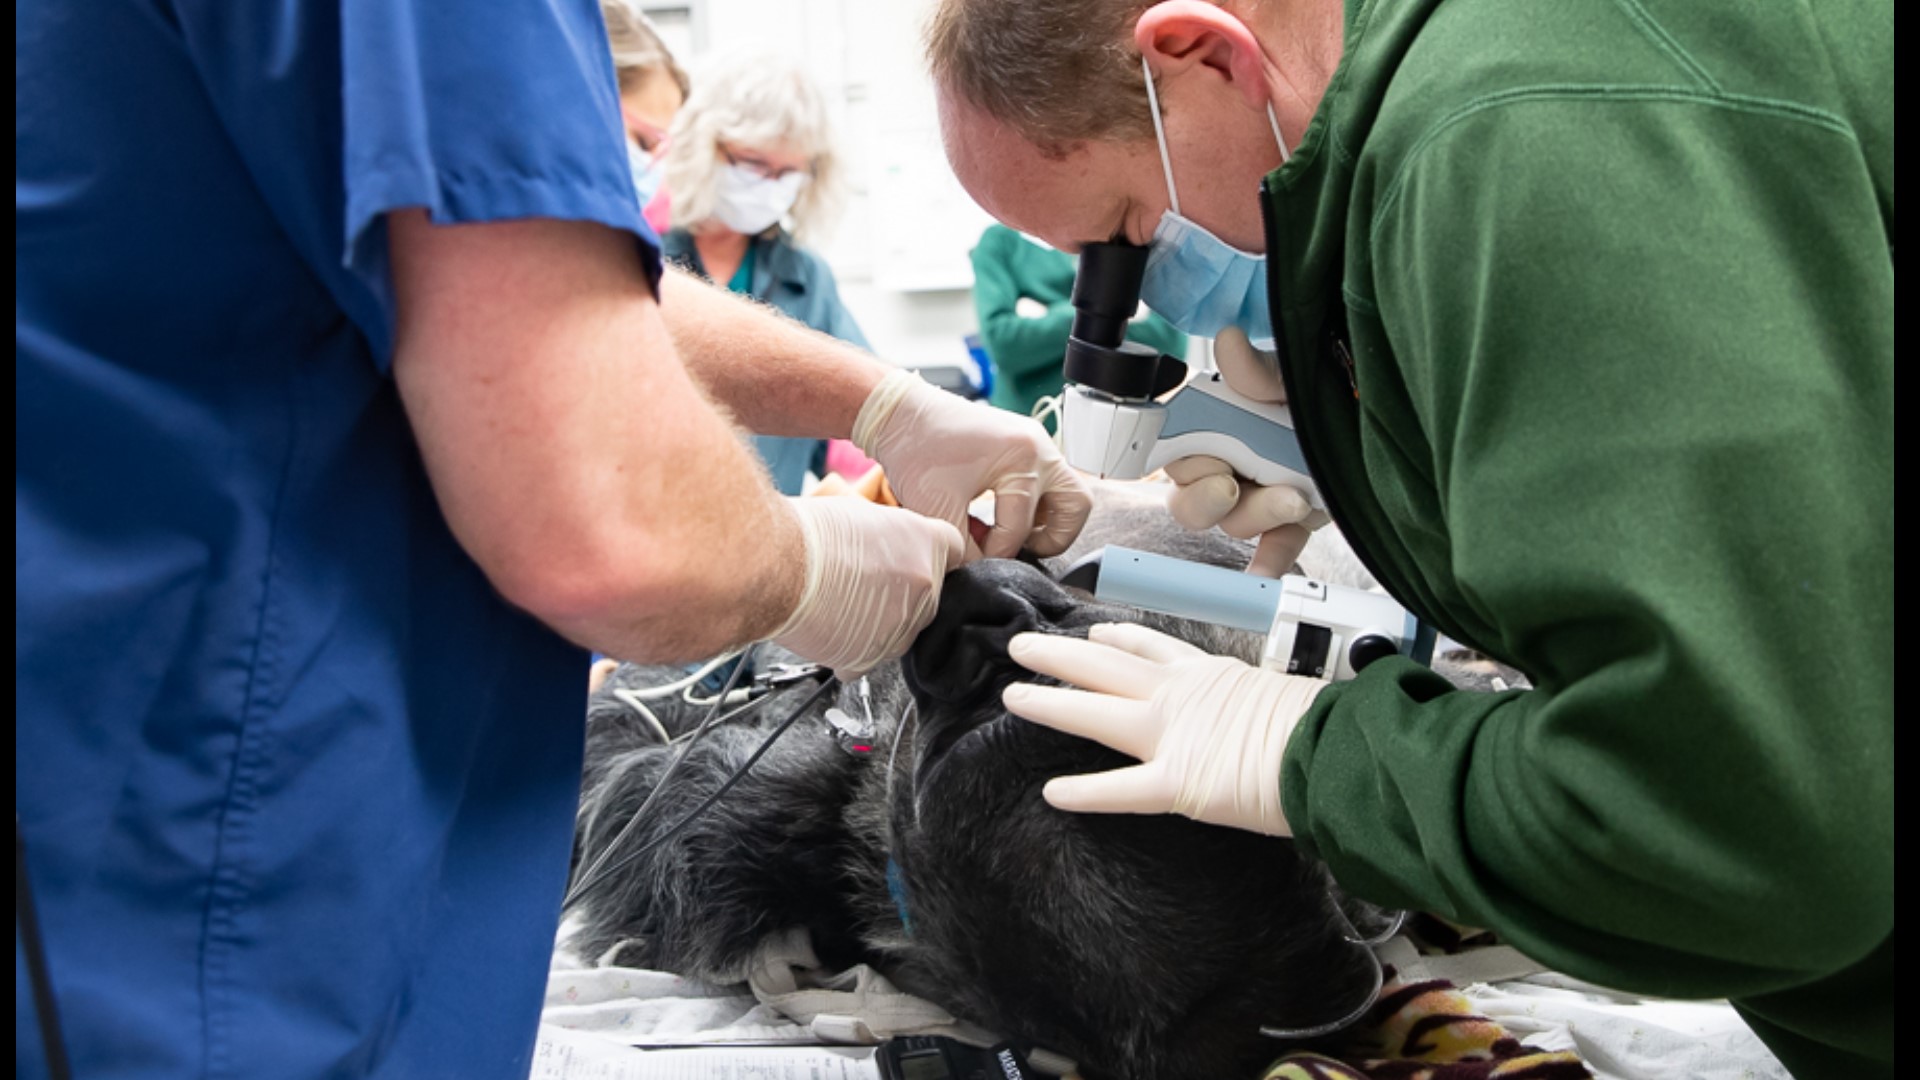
(573, 457)
(776, 376)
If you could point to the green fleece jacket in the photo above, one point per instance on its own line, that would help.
(1027, 350)
(1587, 320)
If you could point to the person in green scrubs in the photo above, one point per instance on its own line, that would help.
(1023, 292)
(752, 171)
(1585, 314)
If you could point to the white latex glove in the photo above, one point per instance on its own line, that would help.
(1207, 493)
(1209, 730)
(873, 582)
(940, 453)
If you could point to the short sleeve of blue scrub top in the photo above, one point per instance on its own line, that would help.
(297, 784)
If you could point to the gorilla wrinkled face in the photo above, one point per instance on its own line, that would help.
(1141, 946)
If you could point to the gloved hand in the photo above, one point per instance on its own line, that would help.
(1208, 494)
(940, 453)
(1209, 730)
(873, 582)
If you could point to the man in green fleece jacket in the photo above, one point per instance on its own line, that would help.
(1027, 350)
(1585, 313)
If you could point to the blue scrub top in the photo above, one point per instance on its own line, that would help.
(297, 784)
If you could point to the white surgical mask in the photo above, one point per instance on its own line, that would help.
(1195, 280)
(750, 203)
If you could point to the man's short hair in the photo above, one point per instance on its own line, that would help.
(1059, 72)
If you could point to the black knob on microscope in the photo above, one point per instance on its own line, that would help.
(1369, 647)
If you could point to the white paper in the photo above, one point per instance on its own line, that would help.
(1623, 1036)
(561, 1054)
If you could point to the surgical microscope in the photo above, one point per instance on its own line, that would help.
(1128, 410)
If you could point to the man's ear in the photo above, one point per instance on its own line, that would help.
(1175, 35)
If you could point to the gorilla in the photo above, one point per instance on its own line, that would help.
(1142, 946)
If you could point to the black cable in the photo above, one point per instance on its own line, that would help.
(593, 873)
(31, 943)
(765, 744)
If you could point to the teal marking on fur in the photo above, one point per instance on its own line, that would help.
(897, 888)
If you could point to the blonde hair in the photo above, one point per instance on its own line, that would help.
(637, 48)
(1059, 72)
(752, 101)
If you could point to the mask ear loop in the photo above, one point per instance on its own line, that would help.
(1274, 122)
(1160, 133)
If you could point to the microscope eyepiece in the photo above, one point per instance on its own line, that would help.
(1106, 293)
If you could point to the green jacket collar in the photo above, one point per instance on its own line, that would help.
(1307, 198)
(1306, 204)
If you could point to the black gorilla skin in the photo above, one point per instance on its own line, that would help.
(1139, 945)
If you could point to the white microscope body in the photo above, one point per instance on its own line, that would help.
(1128, 410)
(1121, 439)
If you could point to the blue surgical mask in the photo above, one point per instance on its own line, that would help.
(648, 172)
(1195, 280)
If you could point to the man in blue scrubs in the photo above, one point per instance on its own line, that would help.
(329, 321)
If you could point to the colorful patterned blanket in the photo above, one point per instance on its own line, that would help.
(1427, 1031)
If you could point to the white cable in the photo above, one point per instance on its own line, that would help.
(1379, 981)
(1384, 936)
(1331, 1026)
(674, 687)
(1050, 405)
(907, 717)
(736, 696)
(632, 700)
